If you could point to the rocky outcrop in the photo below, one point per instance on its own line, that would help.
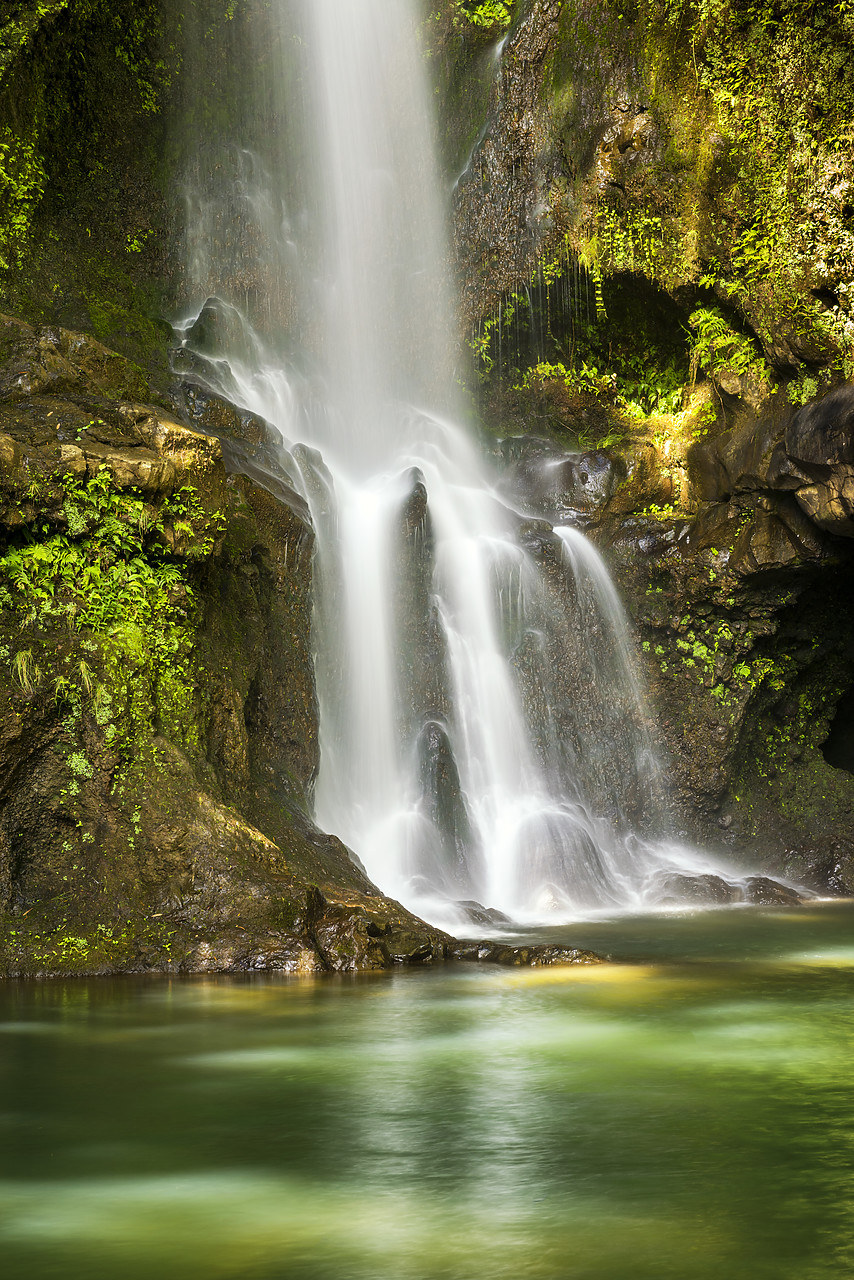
(735, 559)
(808, 453)
(158, 723)
(158, 713)
(655, 254)
(656, 142)
(502, 199)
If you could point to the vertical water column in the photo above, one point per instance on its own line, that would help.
(381, 284)
(416, 774)
(481, 732)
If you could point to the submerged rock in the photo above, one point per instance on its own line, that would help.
(535, 957)
(479, 914)
(704, 890)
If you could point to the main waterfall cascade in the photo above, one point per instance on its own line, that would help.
(481, 726)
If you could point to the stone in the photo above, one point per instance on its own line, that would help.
(479, 914)
(701, 890)
(808, 453)
(764, 892)
(57, 361)
(453, 855)
(558, 485)
(534, 957)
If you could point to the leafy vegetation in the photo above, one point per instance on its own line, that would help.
(630, 356)
(718, 346)
(106, 570)
(110, 578)
(488, 14)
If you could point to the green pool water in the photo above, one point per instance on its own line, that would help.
(688, 1115)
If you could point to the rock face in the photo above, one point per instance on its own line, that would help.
(502, 218)
(655, 256)
(742, 593)
(159, 733)
(745, 612)
(158, 724)
(637, 141)
(808, 454)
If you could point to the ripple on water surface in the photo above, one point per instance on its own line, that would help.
(672, 1121)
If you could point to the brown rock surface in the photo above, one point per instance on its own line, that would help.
(158, 720)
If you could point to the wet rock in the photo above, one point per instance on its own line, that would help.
(422, 672)
(479, 914)
(807, 453)
(56, 361)
(533, 957)
(183, 831)
(706, 890)
(712, 890)
(539, 540)
(558, 485)
(210, 329)
(774, 534)
(824, 866)
(250, 445)
(219, 417)
(822, 433)
(449, 855)
(503, 215)
(763, 892)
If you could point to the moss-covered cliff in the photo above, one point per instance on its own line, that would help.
(701, 143)
(654, 230)
(656, 238)
(83, 90)
(157, 712)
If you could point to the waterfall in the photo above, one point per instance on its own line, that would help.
(482, 729)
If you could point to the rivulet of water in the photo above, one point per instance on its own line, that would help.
(482, 729)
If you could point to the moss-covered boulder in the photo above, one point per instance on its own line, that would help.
(157, 719)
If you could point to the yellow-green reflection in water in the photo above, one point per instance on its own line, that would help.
(685, 1117)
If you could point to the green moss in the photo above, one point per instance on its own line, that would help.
(742, 191)
(487, 14)
(82, 84)
(32, 948)
(112, 581)
(767, 81)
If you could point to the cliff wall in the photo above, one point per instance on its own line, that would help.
(655, 234)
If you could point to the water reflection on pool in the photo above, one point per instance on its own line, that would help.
(686, 1116)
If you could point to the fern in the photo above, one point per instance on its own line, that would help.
(717, 346)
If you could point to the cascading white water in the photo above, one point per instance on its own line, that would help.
(482, 731)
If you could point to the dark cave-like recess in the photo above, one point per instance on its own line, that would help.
(838, 746)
